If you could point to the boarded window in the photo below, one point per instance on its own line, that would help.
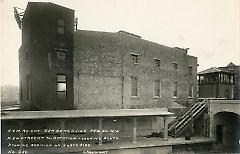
(62, 86)
(134, 84)
(61, 55)
(157, 88)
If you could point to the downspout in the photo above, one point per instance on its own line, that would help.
(122, 71)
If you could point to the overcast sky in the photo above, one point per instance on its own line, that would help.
(210, 28)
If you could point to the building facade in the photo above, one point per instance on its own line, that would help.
(65, 69)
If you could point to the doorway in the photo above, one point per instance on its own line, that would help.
(219, 134)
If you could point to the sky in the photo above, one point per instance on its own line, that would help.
(210, 28)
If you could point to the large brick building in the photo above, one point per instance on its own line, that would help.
(63, 68)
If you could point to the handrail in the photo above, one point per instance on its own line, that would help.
(193, 109)
(194, 114)
(179, 130)
(183, 114)
(176, 126)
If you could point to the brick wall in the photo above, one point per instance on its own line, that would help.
(103, 69)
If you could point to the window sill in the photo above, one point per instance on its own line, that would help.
(175, 97)
(134, 97)
(156, 97)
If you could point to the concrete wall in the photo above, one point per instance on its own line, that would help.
(148, 150)
(226, 113)
(230, 134)
(103, 69)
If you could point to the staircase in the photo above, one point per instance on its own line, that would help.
(184, 120)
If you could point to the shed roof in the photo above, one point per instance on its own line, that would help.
(214, 70)
(10, 115)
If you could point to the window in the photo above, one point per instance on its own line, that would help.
(201, 79)
(134, 58)
(157, 62)
(61, 55)
(190, 70)
(227, 93)
(157, 88)
(62, 87)
(190, 90)
(175, 89)
(175, 66)
(231, 79)
(61, 25)
(134, 84)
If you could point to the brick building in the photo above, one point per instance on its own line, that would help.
(63, 68)
(46, 57)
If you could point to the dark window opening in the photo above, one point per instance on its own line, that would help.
(134, 88)
(190, 90)
(157, 88)
(190, 70)
(157, 62)
(175, 66)
(134, 58)
(175, 89)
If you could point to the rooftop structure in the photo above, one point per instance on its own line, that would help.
(219, 82)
